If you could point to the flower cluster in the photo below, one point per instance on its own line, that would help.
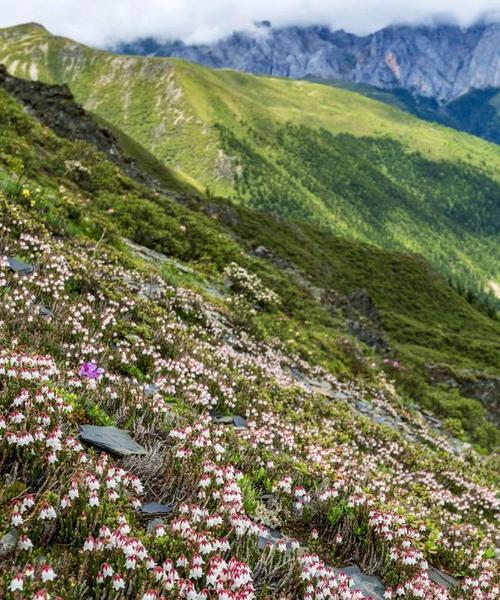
(273, 509)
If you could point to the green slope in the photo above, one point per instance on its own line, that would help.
(426, 323)
(347, 466)
(476, 112)
(390, 179)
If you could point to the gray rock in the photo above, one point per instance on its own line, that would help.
(441, 578)
(152, 256)
(223, 420)
(297, 375)
(236, 420)
(150, 290)
(143, 289)
(321, 387)
(45, 312)
(266, 254)
(270, 537)
(144, 252)
(239, 422)
(153, 524)
(369, 585)
(155, 508)
(212, 290)
(113, 440)
(8, 542)
(150, 389)
(20, 267)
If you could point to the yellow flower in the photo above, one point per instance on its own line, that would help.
(25, 193)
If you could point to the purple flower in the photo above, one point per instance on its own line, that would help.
(395, 364)
(90, 370)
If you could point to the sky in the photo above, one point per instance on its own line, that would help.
(104, 22)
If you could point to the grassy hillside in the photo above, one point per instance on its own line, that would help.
(425, 322)
(476, 112)
(389, 178)
(333, 463)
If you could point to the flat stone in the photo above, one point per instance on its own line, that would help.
(113, 440)
(298, 376)
(20, 267)
(153, 256)
(383, 420)
(154, 508)
(223, 420)
(239, 422)
(213, 291)
(144, 252)
(369, 585)
(236, 420)
(441, 578)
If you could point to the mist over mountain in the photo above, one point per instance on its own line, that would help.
(441, 61)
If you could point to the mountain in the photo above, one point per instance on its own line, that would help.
(427, 67)
(359, 168)
(436, 61)
(202, 400)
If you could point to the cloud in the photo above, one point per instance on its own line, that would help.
(103, 22)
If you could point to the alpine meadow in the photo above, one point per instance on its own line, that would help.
(249, 324)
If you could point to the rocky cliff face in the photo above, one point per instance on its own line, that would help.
(441, 61)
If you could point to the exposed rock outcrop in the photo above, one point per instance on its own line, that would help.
(55, 107)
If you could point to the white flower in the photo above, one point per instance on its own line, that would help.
(48, 573)
(16, 583)
(25, 543)
(16, 519)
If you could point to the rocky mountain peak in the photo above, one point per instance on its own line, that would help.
(441, 60)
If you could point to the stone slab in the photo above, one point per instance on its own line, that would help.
(111, 439)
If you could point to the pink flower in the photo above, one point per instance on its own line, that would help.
(90, 370)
